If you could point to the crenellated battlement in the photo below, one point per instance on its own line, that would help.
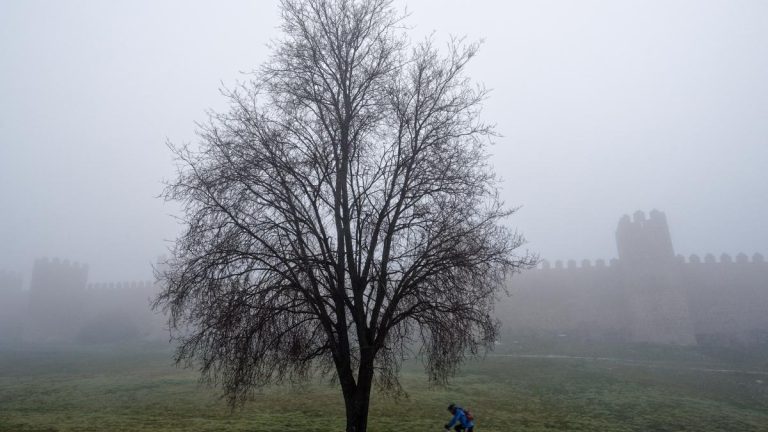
(586, 264)
(726, 259)
(60, 264)
(125, 285)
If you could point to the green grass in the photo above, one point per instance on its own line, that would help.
(139, 390)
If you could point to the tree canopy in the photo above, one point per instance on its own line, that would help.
(342, 214)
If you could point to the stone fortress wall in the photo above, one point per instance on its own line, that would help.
(61, 306)
(12, 301)
(648, 294)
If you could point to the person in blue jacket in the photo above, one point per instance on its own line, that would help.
(463, 424)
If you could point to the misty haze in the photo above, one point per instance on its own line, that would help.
(383, 215)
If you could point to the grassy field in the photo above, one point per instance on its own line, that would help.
(137, 389)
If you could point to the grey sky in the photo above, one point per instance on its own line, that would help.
(605, 107)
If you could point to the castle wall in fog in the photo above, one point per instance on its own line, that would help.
(56, 300)
(646, 295)
(12, 302)
(61, 306)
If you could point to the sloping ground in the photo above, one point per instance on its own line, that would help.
(138, 390)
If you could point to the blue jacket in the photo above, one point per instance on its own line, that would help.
(459, 416)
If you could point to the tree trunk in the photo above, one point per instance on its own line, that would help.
(357, 399)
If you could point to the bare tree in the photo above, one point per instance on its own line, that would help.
(341, 211)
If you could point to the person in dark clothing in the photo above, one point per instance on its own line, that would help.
(462, 421)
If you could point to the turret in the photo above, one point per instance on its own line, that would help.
(641, 239)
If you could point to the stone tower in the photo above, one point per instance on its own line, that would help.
(56, 297)
(641, 239)
(657, 303)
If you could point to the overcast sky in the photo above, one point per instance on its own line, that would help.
(605, 107)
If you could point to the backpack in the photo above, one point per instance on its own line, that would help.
(468, 414)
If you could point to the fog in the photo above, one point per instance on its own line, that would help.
(633, 137)
(604, 108)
